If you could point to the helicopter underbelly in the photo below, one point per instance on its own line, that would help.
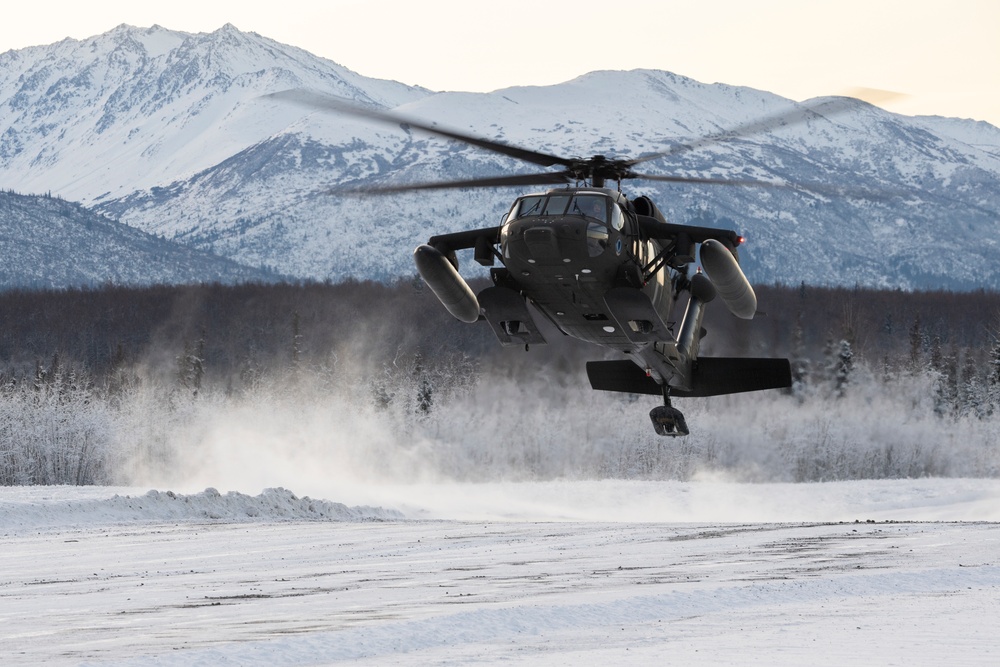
(561, 278)
(576, 305)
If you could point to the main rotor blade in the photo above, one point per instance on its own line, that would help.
(817, 188)
(705, 180)
(321, 102)
(553, 178)
(795, 116)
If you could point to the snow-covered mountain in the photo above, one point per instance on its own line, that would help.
(168, 132)
(137, 108)
(51, 243)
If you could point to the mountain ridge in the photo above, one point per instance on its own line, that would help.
(193, 151)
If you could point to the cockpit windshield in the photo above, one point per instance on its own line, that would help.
(601, 214)
(592, 206)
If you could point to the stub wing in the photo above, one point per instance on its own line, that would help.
(466, 239)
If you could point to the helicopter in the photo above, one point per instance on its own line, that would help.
(598, 265)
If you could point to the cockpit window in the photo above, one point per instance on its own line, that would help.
(527, 206)
(617, 217)
(591, 206)
(557, 205)
(597, 238)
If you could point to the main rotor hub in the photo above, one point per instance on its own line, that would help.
(598, 169)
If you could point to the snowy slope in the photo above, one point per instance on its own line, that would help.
(47, 242)
(185, 147)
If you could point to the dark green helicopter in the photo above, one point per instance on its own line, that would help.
(599, 266)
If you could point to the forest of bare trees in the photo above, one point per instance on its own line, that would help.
(120, 385)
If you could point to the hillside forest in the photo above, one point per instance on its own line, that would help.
(376, 382)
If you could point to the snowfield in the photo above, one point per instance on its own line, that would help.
(707, 572)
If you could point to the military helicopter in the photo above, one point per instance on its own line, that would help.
(599, 266)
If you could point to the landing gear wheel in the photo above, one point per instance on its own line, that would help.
(668, 421)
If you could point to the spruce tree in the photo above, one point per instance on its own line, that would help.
(799, 362)
(843, 367)
(916, 344)
(992, 389)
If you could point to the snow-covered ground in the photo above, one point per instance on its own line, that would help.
(707, 572)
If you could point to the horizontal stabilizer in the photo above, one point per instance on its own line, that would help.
(713, 376)
(621, 376)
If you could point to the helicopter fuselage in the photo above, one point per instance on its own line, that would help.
(612, 272)
(599, 267)
(565, 261)
(566, 249)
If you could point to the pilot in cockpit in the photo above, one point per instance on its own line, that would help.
(593, 207)
(597, 208)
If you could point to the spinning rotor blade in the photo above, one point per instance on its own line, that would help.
(817, 188)
(796, 116)
(320, 102)
(705, 180)
(554, 178)
(594, 168)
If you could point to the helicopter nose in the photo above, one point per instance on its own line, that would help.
(543, 246)
(558, 243)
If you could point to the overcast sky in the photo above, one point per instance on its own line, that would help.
(944, 55)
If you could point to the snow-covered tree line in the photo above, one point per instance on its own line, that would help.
(375, 382)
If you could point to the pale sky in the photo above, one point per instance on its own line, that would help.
(944, 55)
